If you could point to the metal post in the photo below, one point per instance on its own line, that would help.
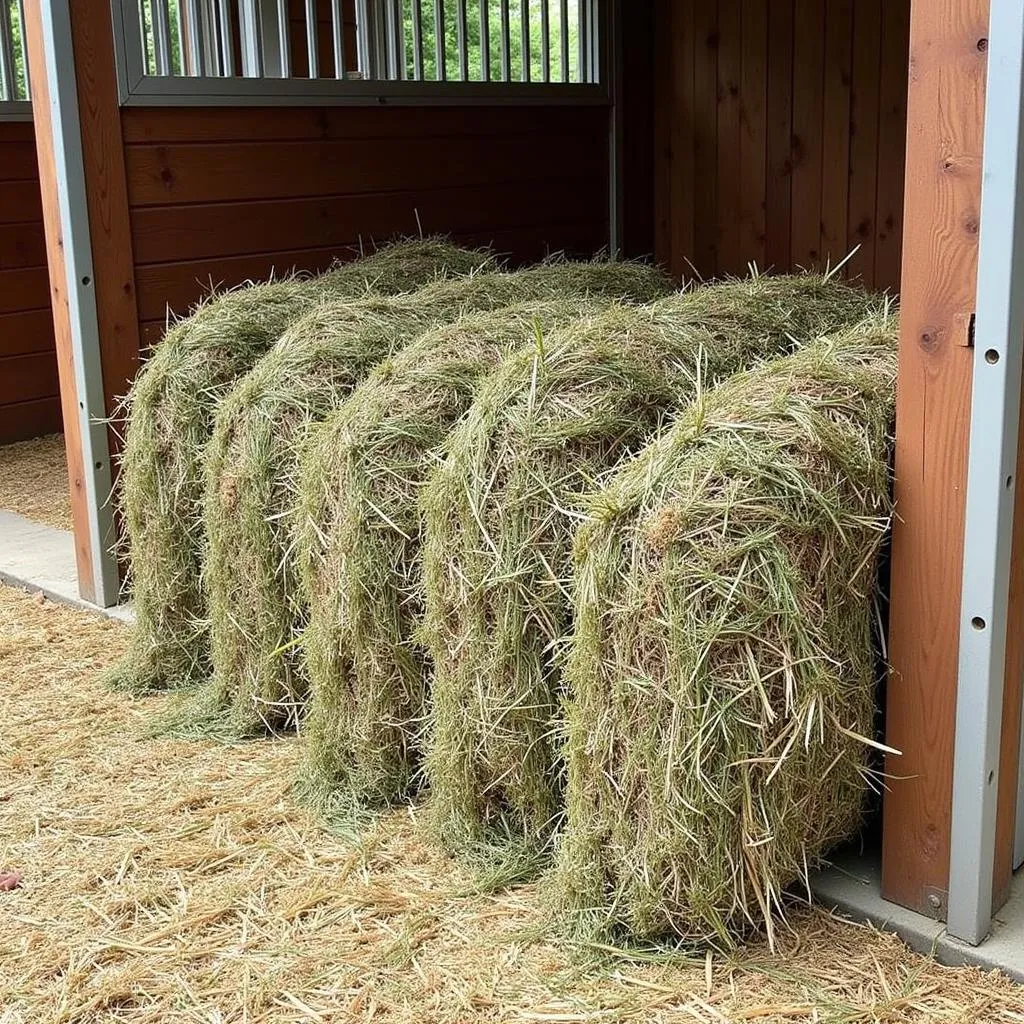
(506, 43)
(312, 53)
(417, 40)
(461, 19)
(252, 38)
(995, 412)
(26, 88)
(59, 60)
(545, 41)
(227, 52)
(189, 11)
(524, 38)
(338, 35)
(610, 40)
(440, 43)
(284, 39)
(563, 39)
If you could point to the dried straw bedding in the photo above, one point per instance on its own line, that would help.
(359, 546)
(721, 673)
(256, 607)
(501, 510)
(169, 415)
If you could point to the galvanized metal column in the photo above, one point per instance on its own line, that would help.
(73, 212)
(995, 414)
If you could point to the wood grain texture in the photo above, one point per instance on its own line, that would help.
(49, 185)
(24, 420)
(789, 118)
(24, 378)
(940, 249)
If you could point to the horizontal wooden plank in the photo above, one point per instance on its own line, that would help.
(22, 333)
(169, 234)
(166, 125)
(22, 245)
(24, 420)
(25, 378)
(22, 290)
(17, 131)
(20, 202)
(520, 245)
(18, 161)
(209, 173)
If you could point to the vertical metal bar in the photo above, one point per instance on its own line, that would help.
(506, 43)
(545, 41)
(312, 52)
(460, 13)
(393, 48)
(197, 58)
(59, 61)
(338, 35)
(609, 35)
(26, 89)
(563, 38)
(485, 41)
(8, 87)
(161, 37)
(440, 43)
(252, 38)
(417, 40)
(524, 38)
(227, 42)
(284, 37)
(988, 529)
(582, 25)
(401, 69)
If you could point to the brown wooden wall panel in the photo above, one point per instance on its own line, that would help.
(27, 355)
(220, 197)
(780, 135)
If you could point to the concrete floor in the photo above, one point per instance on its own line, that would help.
(852, 885)
(41, 558)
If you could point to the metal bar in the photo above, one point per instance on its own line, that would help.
(611, 23)
(582, 26)
(417, 40)
(26, 89)
(59, 60)
(440, 43)
(312, 53)
(252, 38)
(398, 42)
(197, 57)
(563, 39)
(995, 415)
(485, 41)
(391, 37)
(284, 38)
(8, 86)
(338, 35)
(460, 13)
(545, 40)
(524, 38)
(227, 42)
(506, 43)
(161, 37)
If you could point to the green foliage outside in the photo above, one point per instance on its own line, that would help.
(515, 7)
(20, 91)
(149, 39)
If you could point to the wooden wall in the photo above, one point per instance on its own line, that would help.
(223, 195)
(780, 134)
(29, 393)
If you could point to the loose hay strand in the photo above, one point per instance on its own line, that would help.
(501, 510)
(721, 673)
(256, 605)
(169, 415)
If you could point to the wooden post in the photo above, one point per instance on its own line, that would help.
(946, 105)
(109, 296)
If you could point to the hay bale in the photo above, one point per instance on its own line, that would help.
(255, 601)
(169, 414)
(722, 671)
(500, 514)
(359, 547)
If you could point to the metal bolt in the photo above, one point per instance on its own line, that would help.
(935, 901)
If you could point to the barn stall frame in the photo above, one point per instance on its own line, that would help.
(703, 132)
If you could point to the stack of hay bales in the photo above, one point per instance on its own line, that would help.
(722, 671)
(169, 413)
(501, 511)
(359, 549)
(256, 605)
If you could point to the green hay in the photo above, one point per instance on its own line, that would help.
(255, 601)
(501, 511)
(169, 413)
(722, 672)
(359, 546)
